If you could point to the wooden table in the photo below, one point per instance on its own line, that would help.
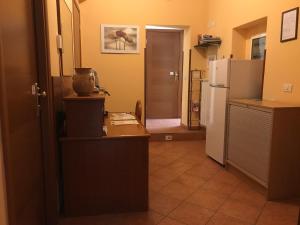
(106, 174)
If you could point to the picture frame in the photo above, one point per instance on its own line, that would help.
(289, 25)
(119, 39)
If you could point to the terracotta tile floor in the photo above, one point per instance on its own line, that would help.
(188, 188)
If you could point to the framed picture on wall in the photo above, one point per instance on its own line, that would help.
(119, 39)
(289, 25)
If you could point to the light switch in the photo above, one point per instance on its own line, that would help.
(287, 88)
(172, 74)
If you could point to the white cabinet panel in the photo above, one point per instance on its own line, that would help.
(204, 102)
(249, 140)
(215, 128)
(219, 72)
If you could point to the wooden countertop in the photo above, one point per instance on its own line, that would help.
(117, 131)
(263, 103)
(93, 96)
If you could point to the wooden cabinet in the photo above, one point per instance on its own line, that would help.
(249, 140)
(105, 175)
(263, 142)
(84, 115)
(102, 174)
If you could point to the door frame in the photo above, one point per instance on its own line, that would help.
(47, 119)
(181, 62)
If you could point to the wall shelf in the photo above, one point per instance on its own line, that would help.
(206, 45)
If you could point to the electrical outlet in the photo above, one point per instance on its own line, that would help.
(168, 137)
(287, 88)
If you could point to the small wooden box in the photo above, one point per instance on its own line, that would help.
(84, 115)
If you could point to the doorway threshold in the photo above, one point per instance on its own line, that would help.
(172, 129)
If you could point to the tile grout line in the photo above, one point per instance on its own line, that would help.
(182, 201)
(228, 197)
(260, 213)
(185, 200)
(215, 211)
(167, 216)
(239, 218)
(164, 167)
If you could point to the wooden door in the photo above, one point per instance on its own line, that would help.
(21, 131)
(77, 34)
(163, 73)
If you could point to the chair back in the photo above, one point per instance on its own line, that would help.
(138, 110)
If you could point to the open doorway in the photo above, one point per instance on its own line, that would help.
(164, 69)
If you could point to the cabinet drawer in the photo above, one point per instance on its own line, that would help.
(249, 140)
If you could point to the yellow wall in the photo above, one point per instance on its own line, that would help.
(52, 33)
(3, 209)
(241, 37)
(282, 65)
(123, 75)
(250, 33)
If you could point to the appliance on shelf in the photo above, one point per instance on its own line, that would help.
(228, 79)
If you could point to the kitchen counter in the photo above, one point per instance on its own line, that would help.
(263, 143)
(117, 131)
(263, 103)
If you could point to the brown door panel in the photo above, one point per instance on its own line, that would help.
(162, 90)
(33, 212)
(21, 127)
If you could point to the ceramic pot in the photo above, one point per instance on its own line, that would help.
(83, 81)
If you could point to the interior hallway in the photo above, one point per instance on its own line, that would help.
(164, 125)
(188, 188)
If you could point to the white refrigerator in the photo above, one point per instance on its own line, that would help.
(228, 79)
